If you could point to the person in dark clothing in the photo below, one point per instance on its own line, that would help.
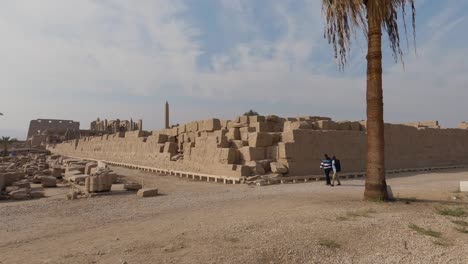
(326, 166)
(336, 167)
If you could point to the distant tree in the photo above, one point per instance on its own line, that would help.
(251, 113)
(5, 141)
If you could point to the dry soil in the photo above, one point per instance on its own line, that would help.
(199, 222)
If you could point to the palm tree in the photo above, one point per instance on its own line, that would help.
(5, 142)
(344, 17)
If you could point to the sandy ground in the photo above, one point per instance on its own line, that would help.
(199, 222)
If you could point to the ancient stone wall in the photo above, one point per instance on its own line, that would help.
(53, 126)
(248, 144)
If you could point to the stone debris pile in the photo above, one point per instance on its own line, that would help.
(26, 177)
(17, 174)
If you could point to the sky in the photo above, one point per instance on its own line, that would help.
(83, 59)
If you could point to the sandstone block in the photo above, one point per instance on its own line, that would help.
(291, 125)
(237, 144)
(277, 167)
(99, 183)
(22, 184)
(244, 131)
(244, 119)
(263, 126)
(256, 119)
(19, 194)
(260, 139)
(192, 126)
(10, 189)
(147, 192)
(102, 164)
(210, 125)
(463, 186)
(242, 170)
(256, 168)
(133, 186)
(326, 125)
(272, 152)
(251, 153)
(89, 166)
(234, 134)
(227, 156)
(49, 181)
(182, 129)
(158, 138)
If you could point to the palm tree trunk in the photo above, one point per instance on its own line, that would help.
(376, 187)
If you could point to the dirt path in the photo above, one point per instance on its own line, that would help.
(197, 222)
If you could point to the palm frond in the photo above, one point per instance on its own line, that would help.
(343, 17)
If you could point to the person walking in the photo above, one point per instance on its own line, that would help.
(336, 167)
(326, 166)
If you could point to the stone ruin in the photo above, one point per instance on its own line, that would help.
(26, 177)
(249, 146)
(113, 126)
(42, 131)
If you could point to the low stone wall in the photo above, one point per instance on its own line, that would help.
(248, 144)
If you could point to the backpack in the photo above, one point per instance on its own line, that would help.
(337, 165)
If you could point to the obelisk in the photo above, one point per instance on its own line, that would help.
(167, 114)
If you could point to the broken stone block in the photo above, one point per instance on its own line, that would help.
(147, 192)
(10, 189)
(49, 181)
(22, 184)
(177, 157)
(132, 186)
(37, 179)
(277, 167)
(260, 139)
(19, 194)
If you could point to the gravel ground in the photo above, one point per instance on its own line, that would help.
(199, 222)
